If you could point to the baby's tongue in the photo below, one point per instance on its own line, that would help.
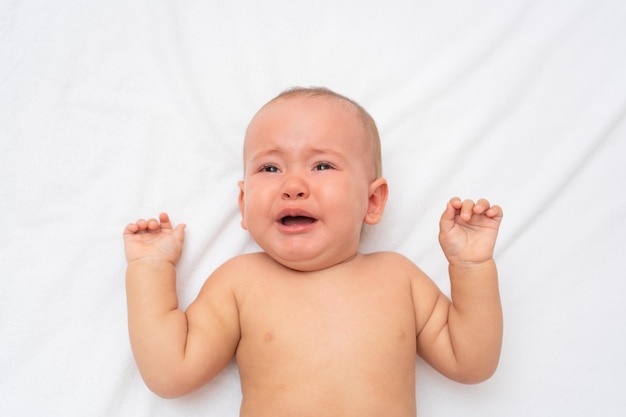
(293, 221)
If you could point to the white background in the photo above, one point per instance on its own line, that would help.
(115, 110)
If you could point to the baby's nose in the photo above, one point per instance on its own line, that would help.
(295, 188)
(289, 196)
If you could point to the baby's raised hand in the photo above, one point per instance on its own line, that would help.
(154, 240)
(468, 230)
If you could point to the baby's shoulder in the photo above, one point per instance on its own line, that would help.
(244, 266)
(234, 275)
(388, 259)
(393, 264)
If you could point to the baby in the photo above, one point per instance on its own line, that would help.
(317, 328)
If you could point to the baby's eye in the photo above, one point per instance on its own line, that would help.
(269, 168)
(323, 166)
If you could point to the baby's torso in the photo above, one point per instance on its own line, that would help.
(338, 342)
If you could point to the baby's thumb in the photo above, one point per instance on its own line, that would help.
(447, 220)
(179, 232)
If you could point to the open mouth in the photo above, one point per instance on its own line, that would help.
(297, 220)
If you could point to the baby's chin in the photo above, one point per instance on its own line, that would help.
(304, 264)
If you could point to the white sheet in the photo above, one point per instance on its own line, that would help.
(114, 110)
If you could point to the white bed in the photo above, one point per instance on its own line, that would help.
(115, 110)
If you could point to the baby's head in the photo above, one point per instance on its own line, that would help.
(371, 135)
(311, 178)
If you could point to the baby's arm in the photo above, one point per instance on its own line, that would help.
(462, 338)
(175, 351)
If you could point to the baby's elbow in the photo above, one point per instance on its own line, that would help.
(475, 375)
(475, 378)
(165, 387)
(166, 391)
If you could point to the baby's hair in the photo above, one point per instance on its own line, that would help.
(368, 121)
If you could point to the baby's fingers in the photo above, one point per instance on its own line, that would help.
(494, 212)
(481, 207)
(455, 207)
(141, 225)
(465, 209)
(165, 221)
(153, 225)
(131, 229)
(468, 207)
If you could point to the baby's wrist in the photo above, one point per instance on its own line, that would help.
(471, 265)
(151, 262)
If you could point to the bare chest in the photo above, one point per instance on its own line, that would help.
(361, 326)
(313, 349)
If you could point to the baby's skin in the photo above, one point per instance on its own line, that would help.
(317, 328)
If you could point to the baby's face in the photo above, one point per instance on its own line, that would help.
(308, 169)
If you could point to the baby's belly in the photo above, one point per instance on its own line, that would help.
(348, 373)
(315, 400)
(329, 393)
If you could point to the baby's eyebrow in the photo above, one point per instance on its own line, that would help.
(264, 154)
(282, 151)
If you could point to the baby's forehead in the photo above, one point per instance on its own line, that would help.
(291, 107)
(306, 103)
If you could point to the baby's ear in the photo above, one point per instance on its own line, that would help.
(242, 204)
(378, 192)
